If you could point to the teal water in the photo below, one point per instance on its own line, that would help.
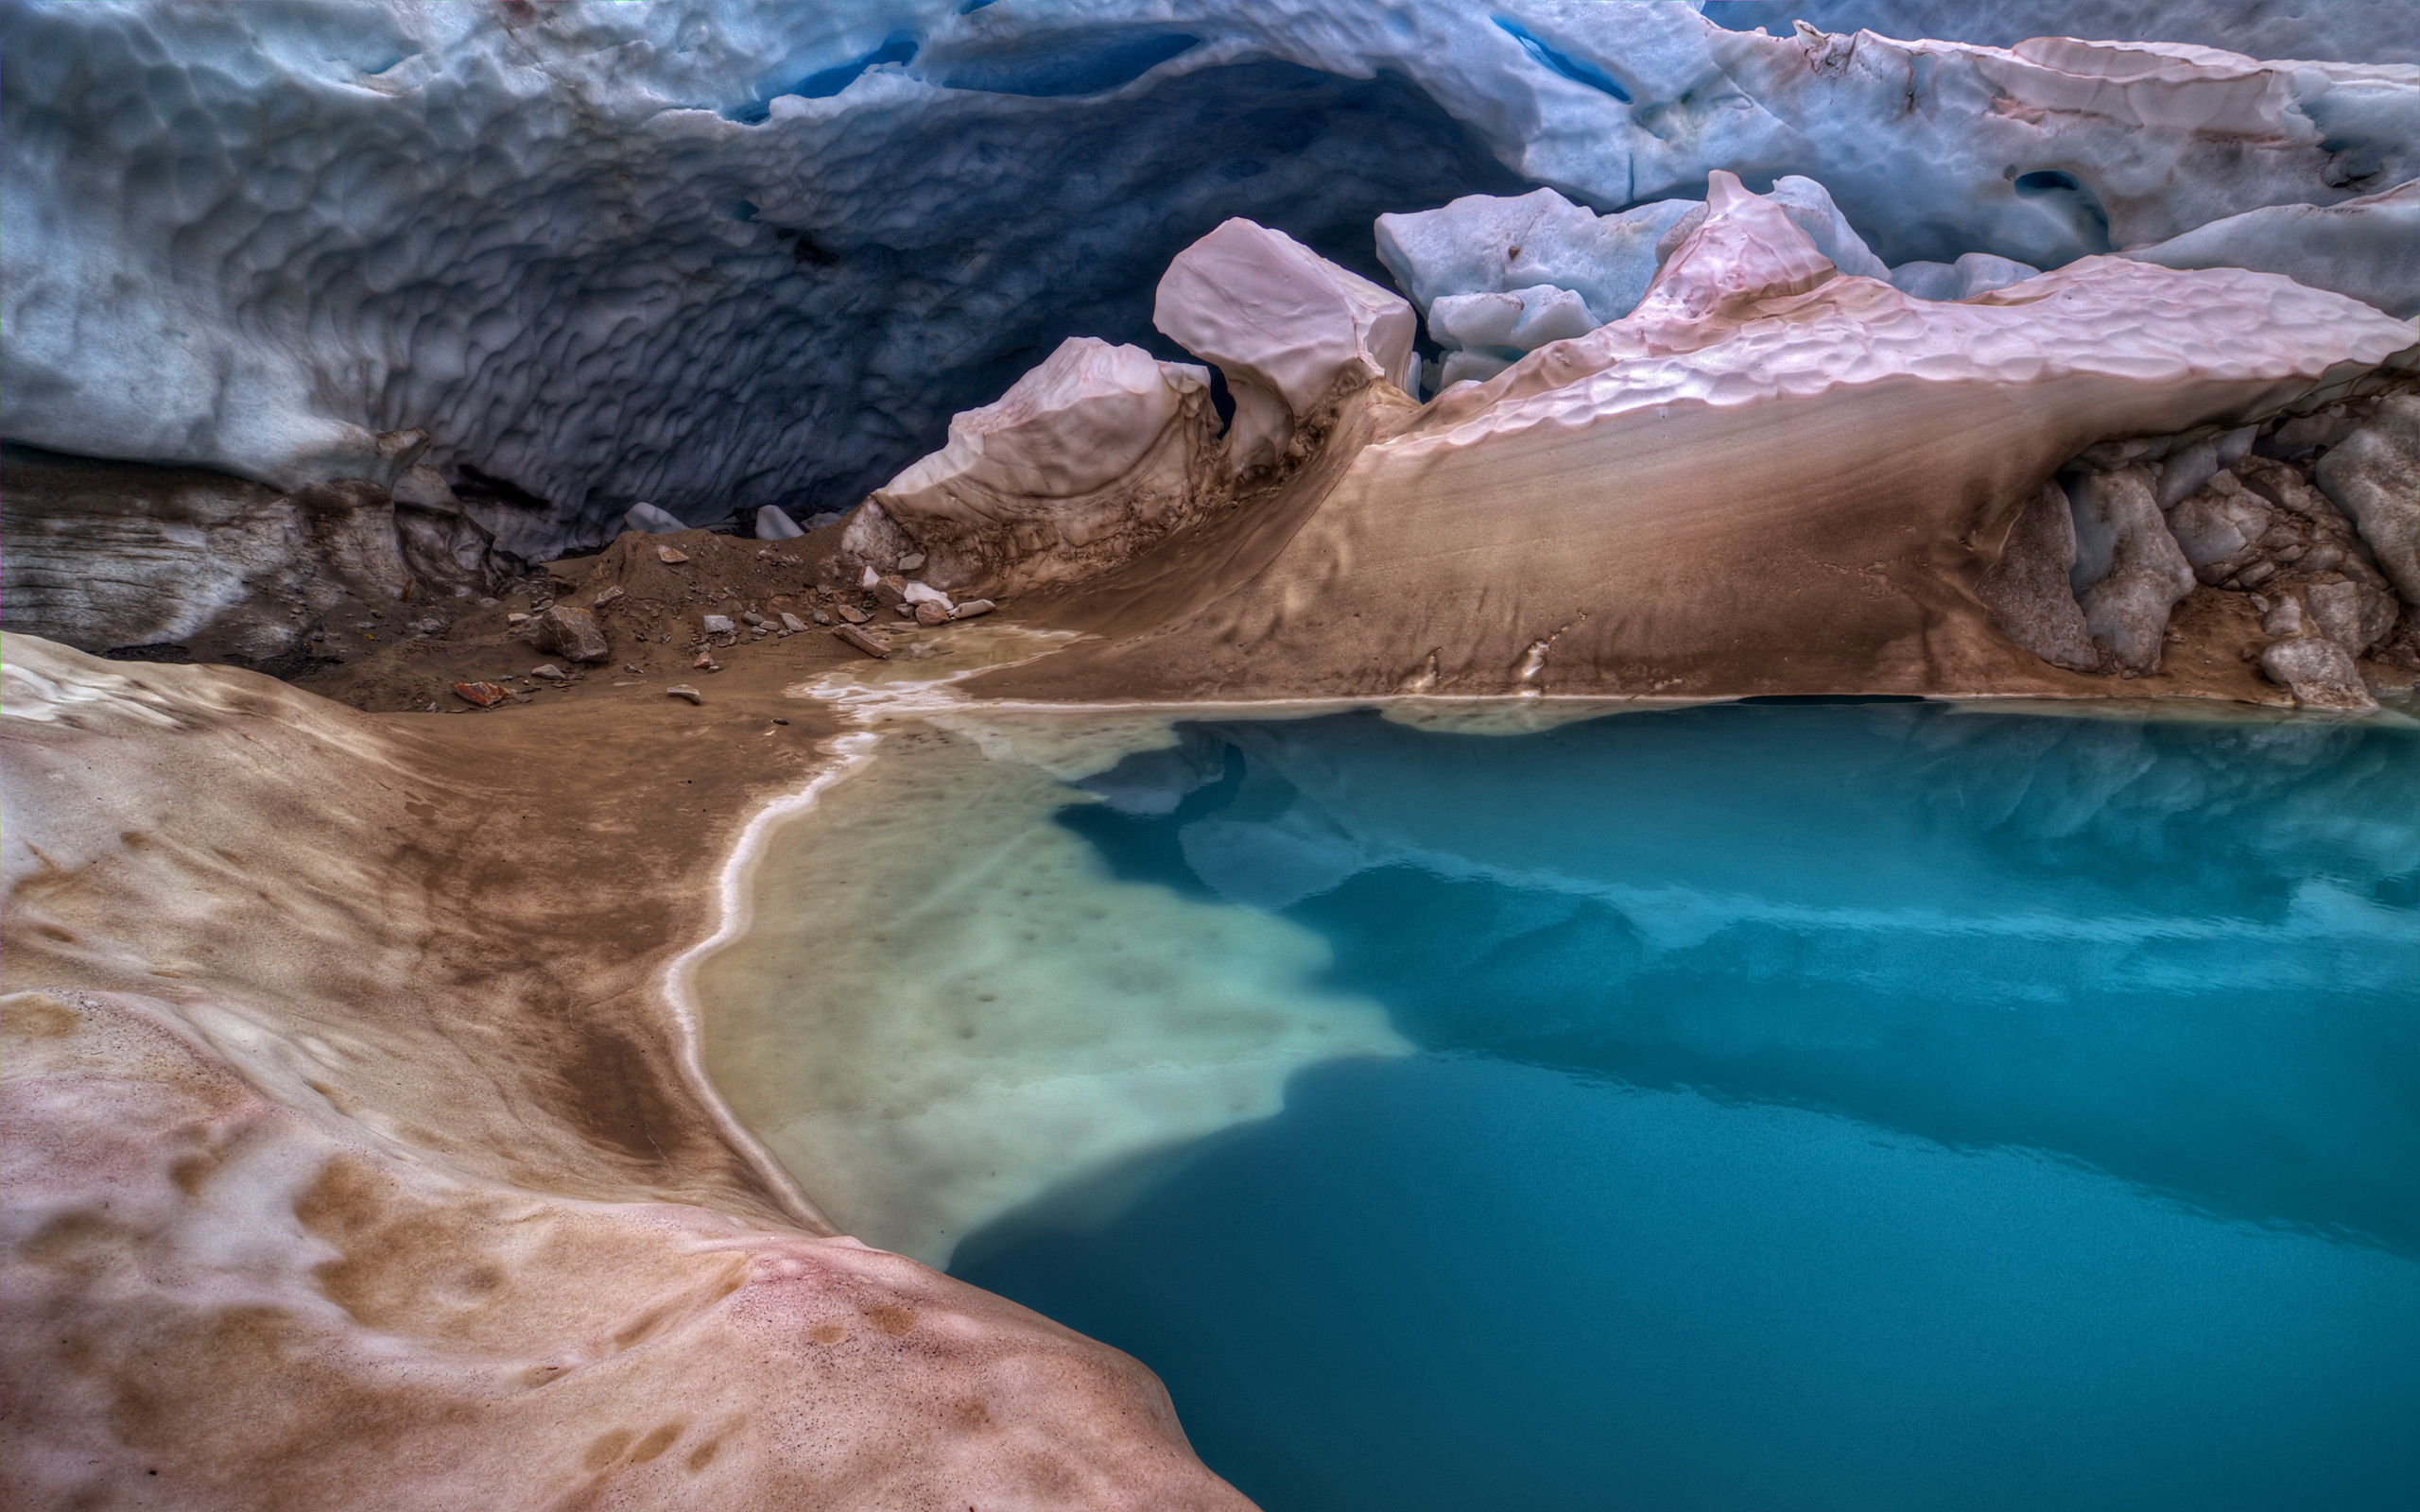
(1849, 1105)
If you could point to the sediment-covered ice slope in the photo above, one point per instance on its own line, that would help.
(745, 255)
(1770, 477)
(342, 1173)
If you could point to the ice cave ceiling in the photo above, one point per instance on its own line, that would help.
(722, 256)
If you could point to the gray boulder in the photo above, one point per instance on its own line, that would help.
(571, 632)
(2373, 476)
(2027, 589)
(2129, 574)
(2319, 672)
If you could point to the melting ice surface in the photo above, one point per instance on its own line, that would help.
(1878, 1105)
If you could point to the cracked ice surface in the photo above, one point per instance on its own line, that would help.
(752, 254)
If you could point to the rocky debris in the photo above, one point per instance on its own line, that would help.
(793, 623)
(671, 554)
(2282, 619)
(655, 522)
(482, 694)
(707, 663)
(230, 570)
(974, 606)
(2318, 672)
(851, 635)
(2027, 590)
(548, 672)
(571, 632)
(750, 617)
(2129, 574)
(773, 523)
(891, 589)
(605, 596)
(517, 617)
(682, 690)
(716, 625)
(930, 614)
(911, 562)
(2373, 476)
(851, 613)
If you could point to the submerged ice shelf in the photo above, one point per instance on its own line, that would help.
(1887, 1105)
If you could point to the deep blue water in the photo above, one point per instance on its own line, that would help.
(1871, 1105)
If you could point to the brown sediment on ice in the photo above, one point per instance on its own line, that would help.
(1767, 479)
(355, 1156)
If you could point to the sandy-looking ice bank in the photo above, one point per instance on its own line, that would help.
(351, 1160)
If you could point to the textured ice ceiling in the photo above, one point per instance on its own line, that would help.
(720, 256)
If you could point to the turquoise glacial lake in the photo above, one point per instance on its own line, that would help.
(1834, 1106)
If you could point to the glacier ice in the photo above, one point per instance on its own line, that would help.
(1093, 452)
(1689, 500)
(2367, 247)
(757, 253)
(1484, 244)
(1284, 326)
(774, 523)
(646, 517)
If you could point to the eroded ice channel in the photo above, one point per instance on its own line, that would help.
(1873, 1106)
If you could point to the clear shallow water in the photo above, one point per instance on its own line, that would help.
(1876, 1106)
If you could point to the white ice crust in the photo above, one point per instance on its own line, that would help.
(1283, 324)
(1721, 327)
(275, 240)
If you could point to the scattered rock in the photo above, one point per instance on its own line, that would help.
(854, 614)
(2028, 591)
(852, 636)
(571, 632)
(2319, 672)
(547, 671)
(674, 555)
(718, 625)
(516, 617)
(929, 613)
(481, 694)
(906, 611)
(751, 616)
(682, 690)
(608, 595)
(974, 606)
(779, 720)
(891, 589)
(819, 618)
(911, 562)
(2284, 620)
(707, 663)
(792, 623)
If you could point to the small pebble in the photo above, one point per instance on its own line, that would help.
(682, 690)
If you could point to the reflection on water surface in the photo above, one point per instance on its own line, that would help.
(1876, 1105)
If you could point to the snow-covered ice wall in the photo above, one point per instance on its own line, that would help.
(722, 256)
